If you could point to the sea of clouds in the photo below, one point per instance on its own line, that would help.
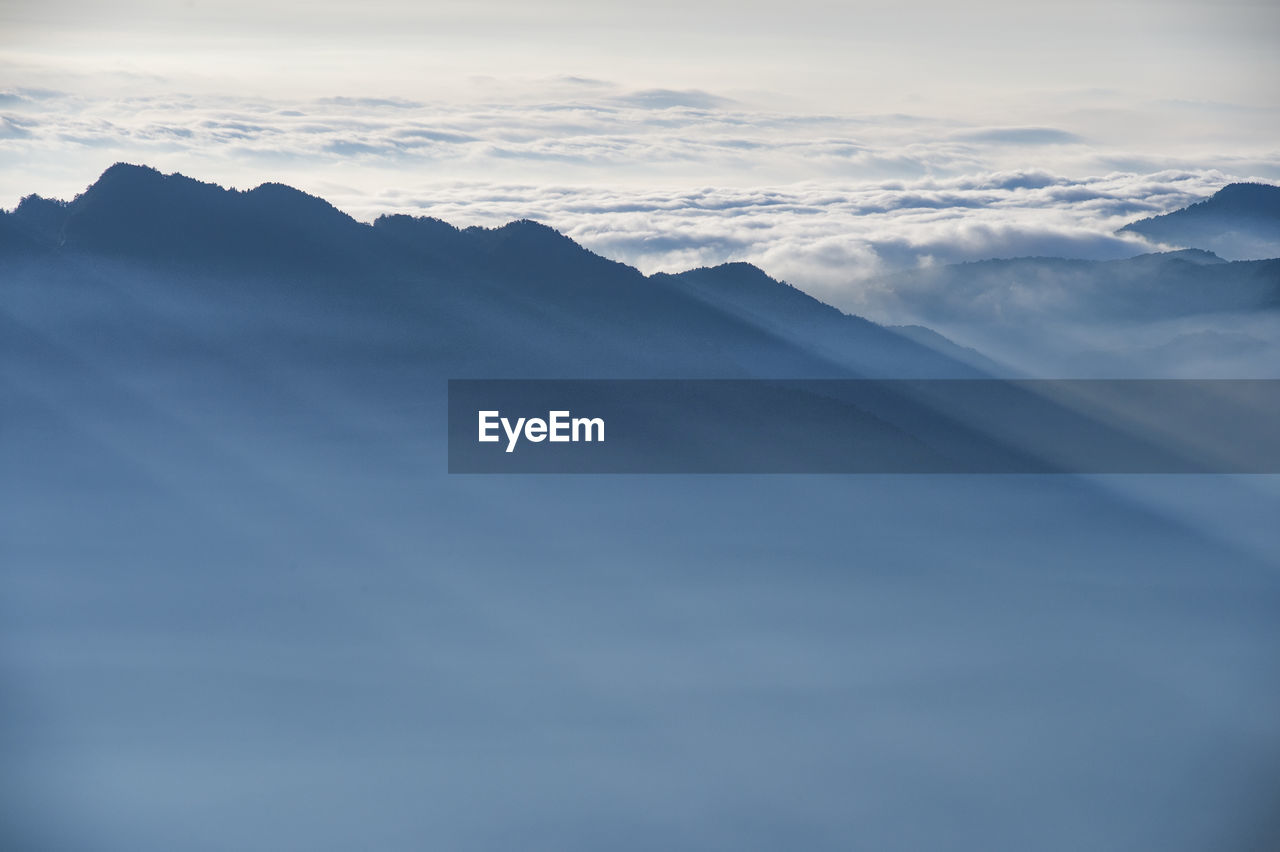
(661, 179)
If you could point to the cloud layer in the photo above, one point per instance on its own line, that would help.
(664, 179)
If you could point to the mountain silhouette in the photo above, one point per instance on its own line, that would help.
(521, 299)
(1241, 221)
(138, 213)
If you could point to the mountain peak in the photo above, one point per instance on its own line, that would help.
(532, 226)
(1200, 257)
(1241, 221)
(415, 229)
(128, 171)
(136, 211)
(518, 241)
(741, 267)
(41, 219)
(1257, 198)
(735, 273)
(128, 180)
(283, 194)
(528, 232)
(291, 204)
(136, 185)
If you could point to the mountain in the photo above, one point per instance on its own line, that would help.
(136, 212)
(1146, 287)
(1178, 314)
(750, 296)
(1241, 221)
(521, 299)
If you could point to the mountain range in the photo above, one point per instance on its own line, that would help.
(521, 299)
(525, 300)
(1146, 287)
(243, 604)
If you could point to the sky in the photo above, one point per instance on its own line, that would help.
(828, 142)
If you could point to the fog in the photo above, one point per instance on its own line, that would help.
(244, 606)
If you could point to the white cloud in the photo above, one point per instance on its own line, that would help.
(662, 179)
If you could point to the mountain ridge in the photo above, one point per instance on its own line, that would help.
(541, 300)
(536, 298)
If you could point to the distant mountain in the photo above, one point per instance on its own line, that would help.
(521, 299)
(1146, 287)
(1180, 314)
(1241, 221)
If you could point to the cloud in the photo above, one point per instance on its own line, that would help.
(26, 95)
(833, 240)
(1022, 136)
(663, 179)
(669, 98)
(11, 128)
(588, 82)
(580, 134)
(394, 103)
